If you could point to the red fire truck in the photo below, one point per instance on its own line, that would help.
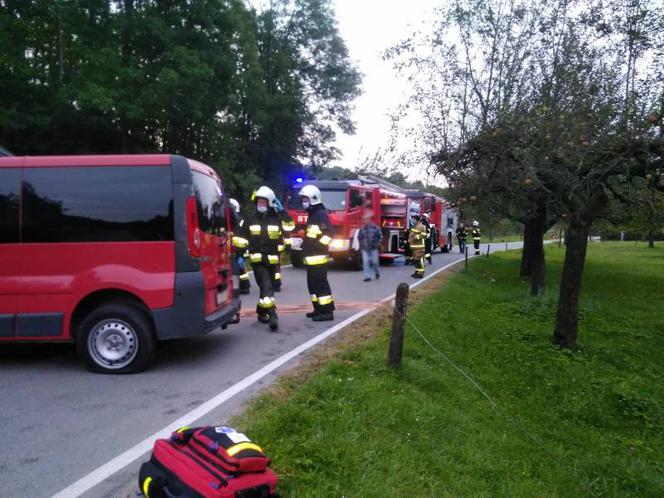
(442, 217)
(391, 205)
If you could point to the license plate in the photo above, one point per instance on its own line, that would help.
(296, 243)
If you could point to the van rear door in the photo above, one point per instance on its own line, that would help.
(214, 244)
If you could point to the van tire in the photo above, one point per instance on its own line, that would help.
(296, 259)
(119, 329)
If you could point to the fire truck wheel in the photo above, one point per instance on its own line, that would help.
(296, 259)
(356, 261)
(116, 338)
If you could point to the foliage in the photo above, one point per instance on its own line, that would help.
(252, 93)
(564, 425)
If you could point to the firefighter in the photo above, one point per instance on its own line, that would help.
(461, 234)
(477, 237)
(287, 225)
(417, 240)
(240, 245)
(428, 241)
(263, 231)
(315, 253)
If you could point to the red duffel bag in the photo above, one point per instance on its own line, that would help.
(207, 462)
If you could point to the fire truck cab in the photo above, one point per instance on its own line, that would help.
(345, 202)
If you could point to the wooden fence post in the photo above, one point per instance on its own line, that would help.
(488, 250)
(398, 325)
(466, 264)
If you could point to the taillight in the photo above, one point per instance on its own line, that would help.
(193, 232)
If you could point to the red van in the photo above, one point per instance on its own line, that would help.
(114, 253)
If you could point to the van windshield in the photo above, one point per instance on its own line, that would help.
(334, 200)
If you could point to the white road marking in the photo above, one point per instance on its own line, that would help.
(106, 470)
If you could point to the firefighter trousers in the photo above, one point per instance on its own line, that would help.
(418, 261)
(264, 275)
(276, 278)
(419, 267)
(240, 270)
(476, 243)
(319, 288)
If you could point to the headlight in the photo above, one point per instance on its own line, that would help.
(339, 245)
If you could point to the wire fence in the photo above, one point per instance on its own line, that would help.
(555, 457)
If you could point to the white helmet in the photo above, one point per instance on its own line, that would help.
(235, 205)
(265, 193)
(312, 192)
(426, 215)
(476, 223)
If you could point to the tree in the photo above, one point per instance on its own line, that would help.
(539, 109)
(249, 93)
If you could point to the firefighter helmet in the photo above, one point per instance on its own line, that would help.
(476, 223)
(235, 205)
(265, 193)
(312, 192)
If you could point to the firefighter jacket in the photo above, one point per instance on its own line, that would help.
(263, 235)
(416, 239)
(239, 242)
(317, 237)
(477, 235)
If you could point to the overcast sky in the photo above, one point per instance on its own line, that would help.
(369, 27)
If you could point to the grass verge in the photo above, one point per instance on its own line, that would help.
(565, 424)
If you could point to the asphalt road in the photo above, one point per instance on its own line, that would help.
(60, 422)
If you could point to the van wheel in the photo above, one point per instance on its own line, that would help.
(296, 259)
(116, 338)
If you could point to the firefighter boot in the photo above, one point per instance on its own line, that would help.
(273, 319)
(323, 317)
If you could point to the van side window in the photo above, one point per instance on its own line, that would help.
(355, 198)
(97, 204)
(210, 203)
(10, 195)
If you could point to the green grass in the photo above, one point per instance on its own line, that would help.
(566, 424)
(510, 237)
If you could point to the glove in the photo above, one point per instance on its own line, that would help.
(278, 206)
(240, 260)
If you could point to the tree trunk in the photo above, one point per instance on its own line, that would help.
(532, 259)
(525, 251)
(567, 316)
(651, 239)
(537, 263)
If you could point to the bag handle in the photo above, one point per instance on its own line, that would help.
(183, 434)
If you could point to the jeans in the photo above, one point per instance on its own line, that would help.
(369, 259)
